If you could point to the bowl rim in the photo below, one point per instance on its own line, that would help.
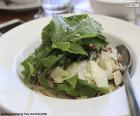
(120, 99)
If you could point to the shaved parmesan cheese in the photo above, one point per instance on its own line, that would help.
(105, 56)
(114, 53)
(118, 78)
(108, 56)
(110, 75)
(98, 74)
(79, 68)
(109, 66)
(59, 75)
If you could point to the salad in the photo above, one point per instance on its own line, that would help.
(73, 61)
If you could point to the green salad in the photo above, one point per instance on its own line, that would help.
(73, 60)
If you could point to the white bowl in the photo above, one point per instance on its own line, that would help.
(114, 8)
(18, 98)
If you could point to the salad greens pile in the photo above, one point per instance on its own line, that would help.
(65, 40)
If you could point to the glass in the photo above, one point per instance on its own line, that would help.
(52, 7)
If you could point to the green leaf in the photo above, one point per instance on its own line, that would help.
(62, 32)
(28, 71)
(84, 83)
(64, 46)
(72, 81)
(42, 52)
(43, 82)
(48, 63)
(47, 35)
(86, 91)
(72, 48)
(31, 68)
(50, 60)
(99, 41)
(63, 87)
(67, 86)
(77, 49)
(67, 31)
(79, 88)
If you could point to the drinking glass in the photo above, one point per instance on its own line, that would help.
(52, 7)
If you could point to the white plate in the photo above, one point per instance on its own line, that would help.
(20, 7)
(15, 96)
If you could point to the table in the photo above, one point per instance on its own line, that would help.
(25, 16)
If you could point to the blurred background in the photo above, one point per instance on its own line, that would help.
(15, 12)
